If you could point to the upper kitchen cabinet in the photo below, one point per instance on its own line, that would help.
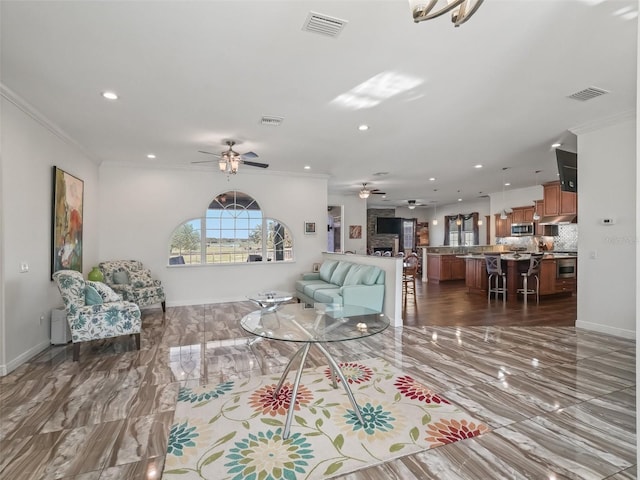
(522, 215)
(558, 202)
(503, 226)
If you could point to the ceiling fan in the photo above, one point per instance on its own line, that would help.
(365, 192)
(229, 160)
(413, 204)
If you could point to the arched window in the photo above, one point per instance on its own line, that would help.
(233, 230)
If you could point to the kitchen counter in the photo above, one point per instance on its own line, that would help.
(550, 284)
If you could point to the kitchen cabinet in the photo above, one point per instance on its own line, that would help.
(441, 268)
(503, 227)
(522, 215)
(476, 275)
(547, 276)
(558, 202)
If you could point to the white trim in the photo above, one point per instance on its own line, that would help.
(598, 327)
(23, 358)
(604, 122)
(39, 117)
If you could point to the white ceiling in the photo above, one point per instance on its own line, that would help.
(192, 74)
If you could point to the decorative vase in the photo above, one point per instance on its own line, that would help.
(95, 275)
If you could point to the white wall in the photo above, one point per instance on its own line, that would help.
(140, 208)
(607, 283)
(30, 149)
(354, 212)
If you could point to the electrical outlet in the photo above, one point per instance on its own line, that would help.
(593, 254)
(24, 266)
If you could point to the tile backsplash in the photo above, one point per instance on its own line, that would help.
(567, 239)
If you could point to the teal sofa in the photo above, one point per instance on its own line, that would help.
(343, 283)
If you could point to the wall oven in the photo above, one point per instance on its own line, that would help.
(521, 229)
(566, 267)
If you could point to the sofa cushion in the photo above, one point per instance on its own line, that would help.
(326, 269)
(310, 290)
(362, 275)
(328, 295)
(340, 273)
(91, 296)
(300, 284)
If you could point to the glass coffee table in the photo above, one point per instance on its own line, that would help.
(269, 299)
(314, 326)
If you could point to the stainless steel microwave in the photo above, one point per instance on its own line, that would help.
(521, 229)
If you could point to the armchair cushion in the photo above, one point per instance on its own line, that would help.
(91, 296)
(107, 294)
(120, 278)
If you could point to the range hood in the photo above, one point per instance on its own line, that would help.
(558, 220)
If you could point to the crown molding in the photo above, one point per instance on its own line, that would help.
(35, 114)
(604, 122)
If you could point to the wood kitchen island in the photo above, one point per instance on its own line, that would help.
(550, 283)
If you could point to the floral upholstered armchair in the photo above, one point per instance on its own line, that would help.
(133, 281)
(95, 311)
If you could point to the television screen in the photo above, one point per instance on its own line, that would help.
(567, 170)
(391, 225)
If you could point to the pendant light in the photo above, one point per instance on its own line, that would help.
(435, 214)
(503, 213)
(536, 215)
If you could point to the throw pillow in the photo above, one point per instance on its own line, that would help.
(141, 278)
(120, 278)
(105, 291)
(91, 296)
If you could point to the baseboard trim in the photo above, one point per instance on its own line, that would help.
(597, 327)
(23, 357)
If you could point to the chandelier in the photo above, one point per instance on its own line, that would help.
(364, 193)
(461, 10)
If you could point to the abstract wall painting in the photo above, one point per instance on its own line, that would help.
(66, 245)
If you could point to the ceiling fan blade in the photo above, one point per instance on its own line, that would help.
(209, 153)
(378, 192)
(204, 161)
(249, 155)
(255, 164)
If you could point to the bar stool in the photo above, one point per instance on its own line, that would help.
(494, 269)
(533, 271)
(409, 273)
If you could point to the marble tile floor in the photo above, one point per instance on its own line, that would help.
(560, 401)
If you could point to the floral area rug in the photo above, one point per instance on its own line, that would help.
(234, 430)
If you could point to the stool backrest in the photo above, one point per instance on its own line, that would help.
(494, 263)
(534, 264)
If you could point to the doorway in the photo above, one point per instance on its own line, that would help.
(335, 239)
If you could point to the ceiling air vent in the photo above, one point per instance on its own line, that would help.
(323, 24)
(588, 94)
(271, 120)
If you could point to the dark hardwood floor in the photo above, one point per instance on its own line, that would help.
(449, 304)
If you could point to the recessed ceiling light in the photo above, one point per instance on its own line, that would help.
(307, 167)
(459, 199)
(151, 155)
(432, 179)
(556, 145)
(477, 166)
(110, 95)
(507, 184)
(363, 127)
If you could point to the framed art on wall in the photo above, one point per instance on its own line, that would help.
(309, 228)
(355, 231)
(66, 243)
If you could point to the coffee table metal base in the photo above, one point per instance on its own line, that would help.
(335, 370)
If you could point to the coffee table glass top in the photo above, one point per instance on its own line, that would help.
(297, 322)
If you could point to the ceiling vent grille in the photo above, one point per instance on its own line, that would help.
(323, 24)
(271, 120)
(588, 94)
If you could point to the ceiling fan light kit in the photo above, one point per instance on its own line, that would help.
(461, 10)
